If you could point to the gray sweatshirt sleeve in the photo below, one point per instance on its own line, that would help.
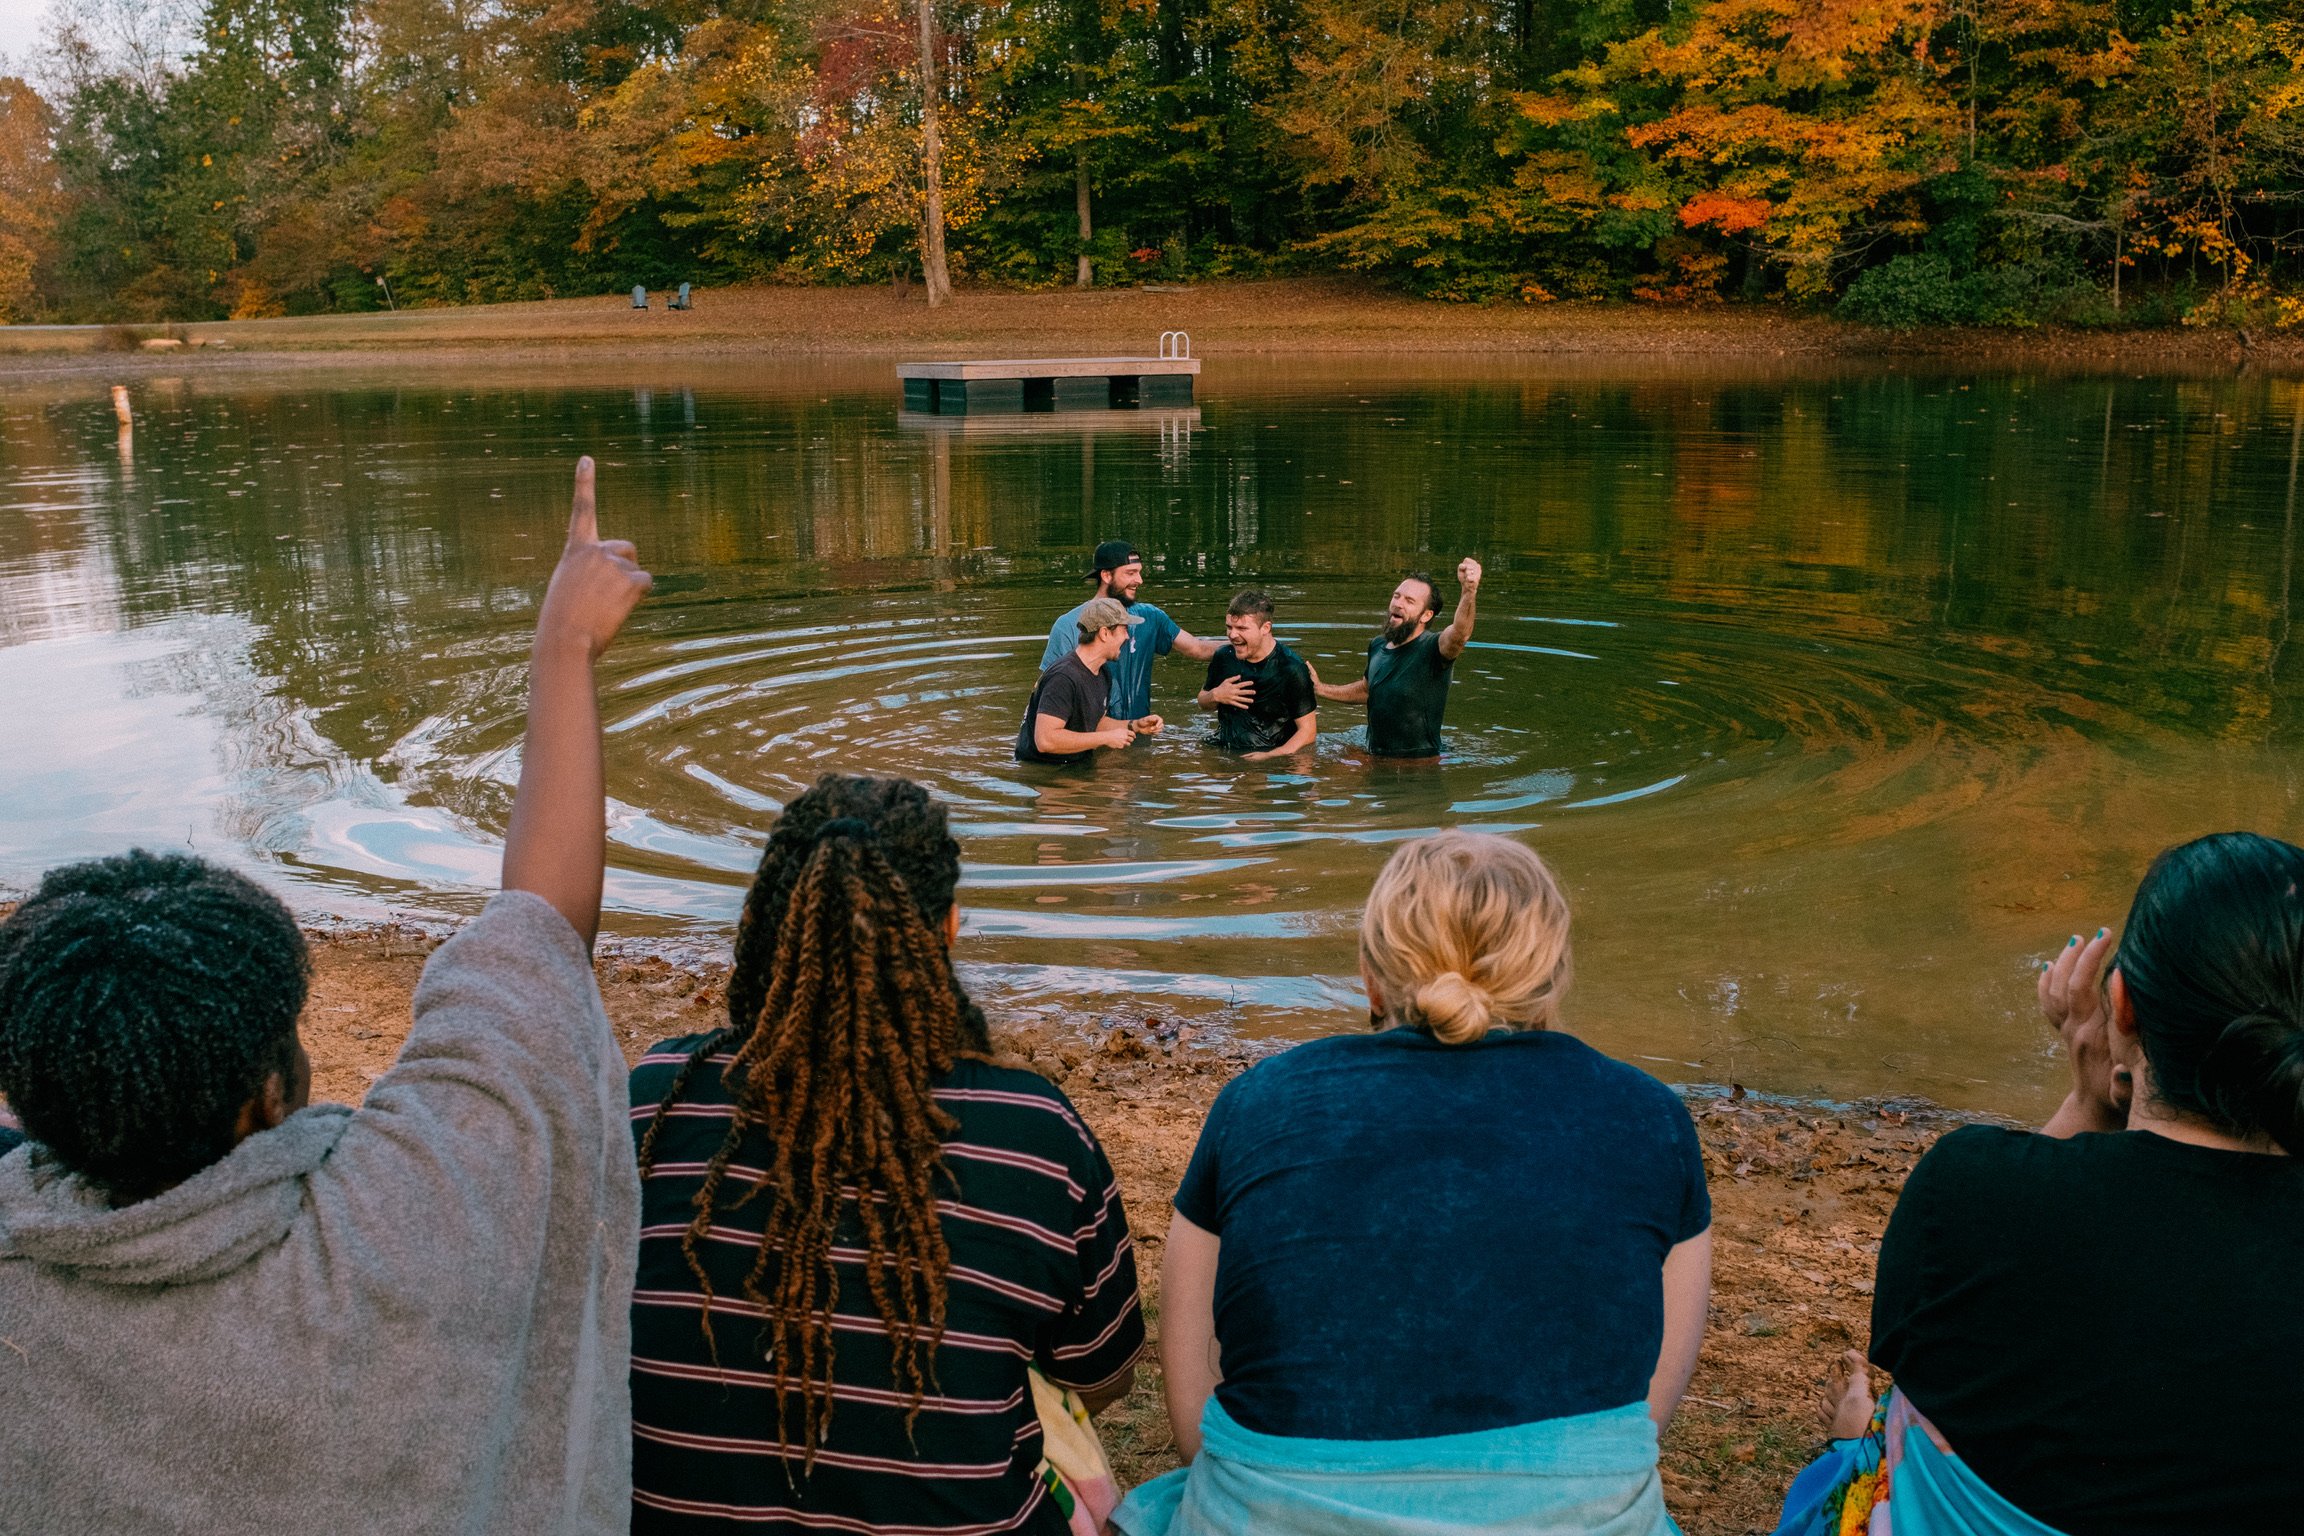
(504, 1117)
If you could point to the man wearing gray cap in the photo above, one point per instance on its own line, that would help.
(1119, 575)
(1067, 719)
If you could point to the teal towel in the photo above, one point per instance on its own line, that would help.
(1930, 1492)
(1591, 1475)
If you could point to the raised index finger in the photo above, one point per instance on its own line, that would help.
(583, 519)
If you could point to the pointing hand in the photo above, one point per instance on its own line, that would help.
(597, 583)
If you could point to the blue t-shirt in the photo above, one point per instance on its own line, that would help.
(1422, 1239)
(1131, 670)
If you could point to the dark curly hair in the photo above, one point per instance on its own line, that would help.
(843, 1011)
(144, 1000)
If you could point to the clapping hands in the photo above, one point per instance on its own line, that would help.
(2072, 1000)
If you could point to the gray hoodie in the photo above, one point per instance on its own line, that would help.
(407, 1317)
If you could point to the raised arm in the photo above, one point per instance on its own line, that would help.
(1458, 634)
(557, 844)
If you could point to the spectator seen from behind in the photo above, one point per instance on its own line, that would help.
(859, 1233)
(2094, 1328)
(1449, 1274)
(227, 1309)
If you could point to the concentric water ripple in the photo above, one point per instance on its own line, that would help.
(1834, 701)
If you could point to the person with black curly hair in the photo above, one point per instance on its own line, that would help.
(228, 1309)
(860, 1232)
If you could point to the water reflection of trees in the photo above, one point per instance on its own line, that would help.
(2133, 538)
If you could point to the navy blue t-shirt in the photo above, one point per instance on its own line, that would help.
(1423, 1239)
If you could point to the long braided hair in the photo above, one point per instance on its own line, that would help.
(843, 1010)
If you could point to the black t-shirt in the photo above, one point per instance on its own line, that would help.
(1425, 1239)
(1407, 694)
(1073, 694)
(1042, 1274)
(1283, 696)
(2107, 1329)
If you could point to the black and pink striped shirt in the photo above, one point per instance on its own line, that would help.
(1043, 1274)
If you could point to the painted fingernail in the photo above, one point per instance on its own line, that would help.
(2102, 931)
(2068, 943)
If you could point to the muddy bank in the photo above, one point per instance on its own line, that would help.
(1800, 1198)
(1277, 318)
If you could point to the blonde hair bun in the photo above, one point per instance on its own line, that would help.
(1465, 932)
(1454, 1009)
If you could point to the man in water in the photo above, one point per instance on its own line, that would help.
(1260, 690)
(1068, 718)
(1406, 684)
(1119, 576)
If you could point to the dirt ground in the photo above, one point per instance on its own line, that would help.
(1800, 1198)
(1277, 317)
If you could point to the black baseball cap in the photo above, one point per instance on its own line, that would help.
(1113, 554)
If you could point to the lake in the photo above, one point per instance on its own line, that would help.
(1837, 698)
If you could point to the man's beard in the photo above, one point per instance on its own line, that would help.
(1402, 632)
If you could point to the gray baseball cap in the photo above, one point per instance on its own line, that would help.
(1104, 612)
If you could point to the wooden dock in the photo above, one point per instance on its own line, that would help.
(1166, 421)
(1053, 383)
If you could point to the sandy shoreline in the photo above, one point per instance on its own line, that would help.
(1272, 319)
(1800, 1199)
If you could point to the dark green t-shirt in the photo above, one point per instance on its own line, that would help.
(1283, 696)
(1407, 694)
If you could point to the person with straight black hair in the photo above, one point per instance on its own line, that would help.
(227, 1309)
(2094, 1329)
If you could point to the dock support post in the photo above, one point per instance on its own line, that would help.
(1164, 389)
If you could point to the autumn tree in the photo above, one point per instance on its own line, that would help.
(28, 197)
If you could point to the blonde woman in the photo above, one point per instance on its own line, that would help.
(1449, 1274)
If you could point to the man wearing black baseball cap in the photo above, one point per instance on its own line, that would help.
(1118, 571)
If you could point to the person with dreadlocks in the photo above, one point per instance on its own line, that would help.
(858, 1232)
(227, 1309)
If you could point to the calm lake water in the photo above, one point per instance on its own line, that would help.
(1836, 700)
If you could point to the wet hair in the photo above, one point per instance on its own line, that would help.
(843, 1011)
(2213, 961)
(1465, 931)
(145, 999)
(1251, 604)
(1431, 591)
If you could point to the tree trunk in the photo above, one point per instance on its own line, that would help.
(934, 276)
(1087, 277)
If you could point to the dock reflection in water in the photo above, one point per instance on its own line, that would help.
(1835, 699)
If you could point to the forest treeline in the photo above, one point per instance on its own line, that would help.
(1908, 161)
